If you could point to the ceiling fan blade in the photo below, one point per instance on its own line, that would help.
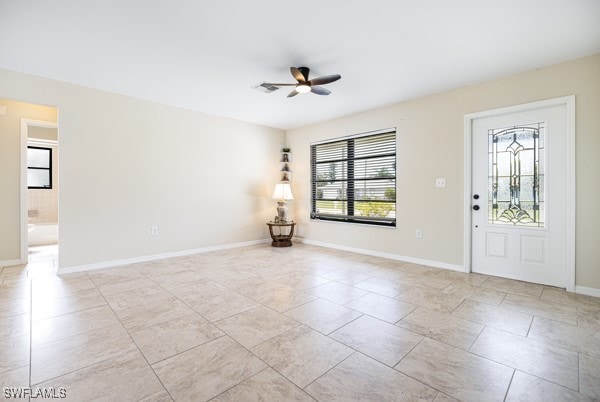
(319, 90)
(325, 80)
(297, 74)
(280, 85)
(293, 93)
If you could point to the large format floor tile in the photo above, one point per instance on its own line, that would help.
(531, 305)
(548, 362)
(268, 385)
(567, 336)
(16, 325)
(382, 307)
(302, 355)
(126, 286)
(589, 373)
(14, 352)
(46, 307)
(588, 317)
(527, 388)
(147, 315)
(337, 292)
(276, 295)
(175, 279)
(300, 281)
(507, 320)
(475, 293)
(207, 370)
(442, 327)
(512, 286)
(561, 296)
(384, 287)
(457, 373)
(346, 276)
(126, 377)
(13, 290)
(175, 336)
(113, 275)
(221, 305)
(136, 297)
(67, 325)
(360, 378)
(378, 339)
(18, 378)
(442, 302)
(255, 326)
(12, 307)
(323, 316)
(63, 356)
(63, 285)
(260, 323)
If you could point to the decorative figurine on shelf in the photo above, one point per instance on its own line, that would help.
(286, 158)
(285, 177)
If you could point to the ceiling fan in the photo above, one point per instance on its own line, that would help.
(305, 85)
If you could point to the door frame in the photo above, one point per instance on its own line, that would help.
(25, 124)
(569, 103)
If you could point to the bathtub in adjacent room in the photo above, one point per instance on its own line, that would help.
(42, 234)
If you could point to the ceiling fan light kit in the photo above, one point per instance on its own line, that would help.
(304, 85)
(303, 88)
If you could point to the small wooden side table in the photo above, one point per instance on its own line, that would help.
(281, 239)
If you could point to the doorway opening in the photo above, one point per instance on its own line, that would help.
(39, 196)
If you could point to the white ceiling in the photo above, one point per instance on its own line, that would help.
(206, 55)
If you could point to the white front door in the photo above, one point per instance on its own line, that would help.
(520, 195)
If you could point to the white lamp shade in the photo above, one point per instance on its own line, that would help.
(282, 191)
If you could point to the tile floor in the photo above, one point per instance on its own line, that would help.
(295, 324)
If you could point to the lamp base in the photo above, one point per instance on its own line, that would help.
(282, 211)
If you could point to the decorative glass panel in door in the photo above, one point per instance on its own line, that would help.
(516, 175)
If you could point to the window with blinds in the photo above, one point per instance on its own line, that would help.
(353, 179)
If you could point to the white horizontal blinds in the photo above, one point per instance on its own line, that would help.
(354, 179)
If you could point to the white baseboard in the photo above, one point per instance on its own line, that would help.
(10, 263)
(126, 261)
(587, 291)
(412, 260)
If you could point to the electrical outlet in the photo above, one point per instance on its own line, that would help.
(441, 182)
(419, 233)
(154, 230)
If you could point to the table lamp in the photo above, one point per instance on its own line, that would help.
(282, 193)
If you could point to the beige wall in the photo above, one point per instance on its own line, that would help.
(10, 143)
(128, 164)
(43, 133)
(430, 145)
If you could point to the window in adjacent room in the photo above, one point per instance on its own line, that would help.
(39, 167)
(353, 179)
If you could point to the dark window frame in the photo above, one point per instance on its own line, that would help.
(351, 195)
(49, 169)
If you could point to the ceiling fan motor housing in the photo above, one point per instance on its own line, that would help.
(304, 71)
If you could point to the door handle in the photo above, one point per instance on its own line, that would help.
(476, 207)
